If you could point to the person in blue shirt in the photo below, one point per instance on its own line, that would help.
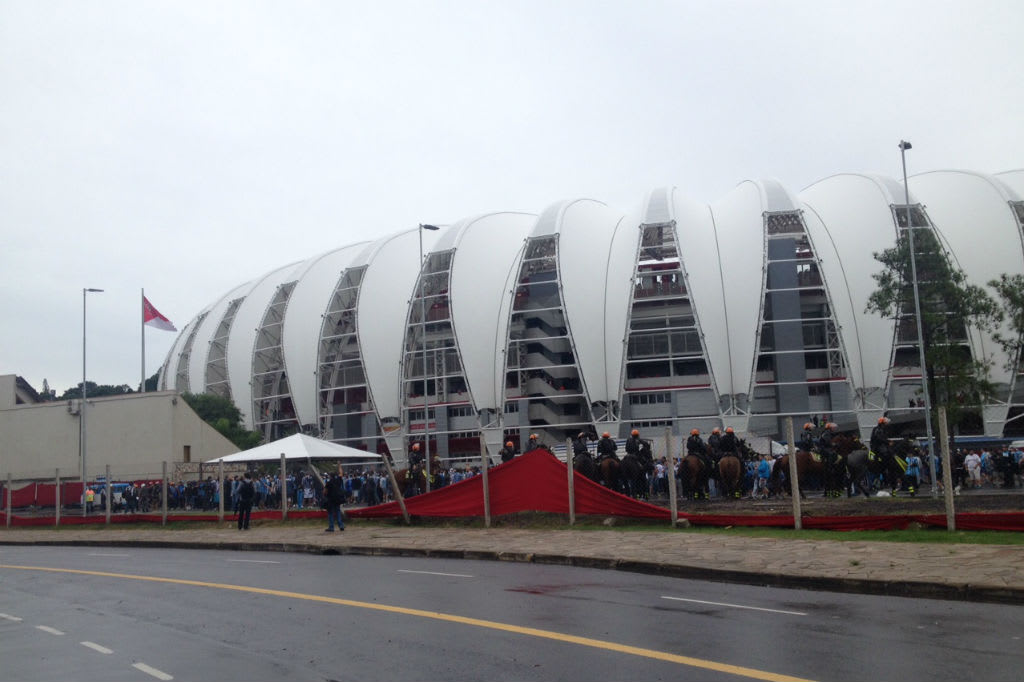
(912, 476)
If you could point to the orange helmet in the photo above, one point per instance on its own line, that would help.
(832, 426)
(533, 436)
(728, 429)
(695, 432)
(716, 430)
(415, 446)
(808, 426)
(508, 444)
(634, 432)
(606, 435)
(883, 420)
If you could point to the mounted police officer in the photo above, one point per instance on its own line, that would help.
(695, 446)
(580, 445)
(806, 441)
(606, 447)
(415, 457)
(508, 452)
(729, 445)
(828, 452)
(633, 443)
(715, 442)
(880, 438)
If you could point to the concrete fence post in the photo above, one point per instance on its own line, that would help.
(572, 483)
(110, 502)
(670, 477)
(484, 466)
(10, 494)
(163, 494)
(56, 500)
(794, 483)
(283, 485)
(220, 490)
(947, 471)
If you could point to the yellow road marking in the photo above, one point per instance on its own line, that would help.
(752, 673)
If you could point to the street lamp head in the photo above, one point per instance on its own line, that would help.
(432, 228)
(904, 145)
(94, 290)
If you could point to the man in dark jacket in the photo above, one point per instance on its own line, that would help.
(334, 495)
(246, 495)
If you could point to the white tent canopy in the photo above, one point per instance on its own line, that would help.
(294, 447)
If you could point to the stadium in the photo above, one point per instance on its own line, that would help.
(676, 314)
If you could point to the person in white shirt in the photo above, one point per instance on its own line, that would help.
(973, 465)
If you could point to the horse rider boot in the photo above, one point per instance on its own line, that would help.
(606, 447)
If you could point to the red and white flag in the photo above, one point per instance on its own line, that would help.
(152, 317)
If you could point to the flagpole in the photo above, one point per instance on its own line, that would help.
(142, 305)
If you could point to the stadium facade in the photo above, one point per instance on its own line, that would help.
(679, 314)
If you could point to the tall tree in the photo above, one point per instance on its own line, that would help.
(950, 306)
(1010, 290)
(221, 414)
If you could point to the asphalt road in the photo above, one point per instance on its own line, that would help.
(143, 614)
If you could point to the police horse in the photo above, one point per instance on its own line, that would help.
(860, 462)
(634, 470)
(730, 476)
(810, 464)
(693, 475)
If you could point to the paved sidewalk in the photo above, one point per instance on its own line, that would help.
(991, 573)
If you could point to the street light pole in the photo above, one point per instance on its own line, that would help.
(904, 146)
(81, 410)
(423, 340)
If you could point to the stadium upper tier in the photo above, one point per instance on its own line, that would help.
(585, 318)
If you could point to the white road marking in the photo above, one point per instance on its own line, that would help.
(12, 618)
(97, 647)
(736, 606)
(118, 555)
(47, 628)
(450, 575)
(149, 670)
(252, 561)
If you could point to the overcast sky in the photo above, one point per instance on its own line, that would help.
(187, 147)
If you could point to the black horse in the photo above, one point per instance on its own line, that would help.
(860, 462)
(583, 463)
(635, 470)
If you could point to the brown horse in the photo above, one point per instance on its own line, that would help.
(730, 476)
(609, 470)
(693, 474)
(807, 465)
